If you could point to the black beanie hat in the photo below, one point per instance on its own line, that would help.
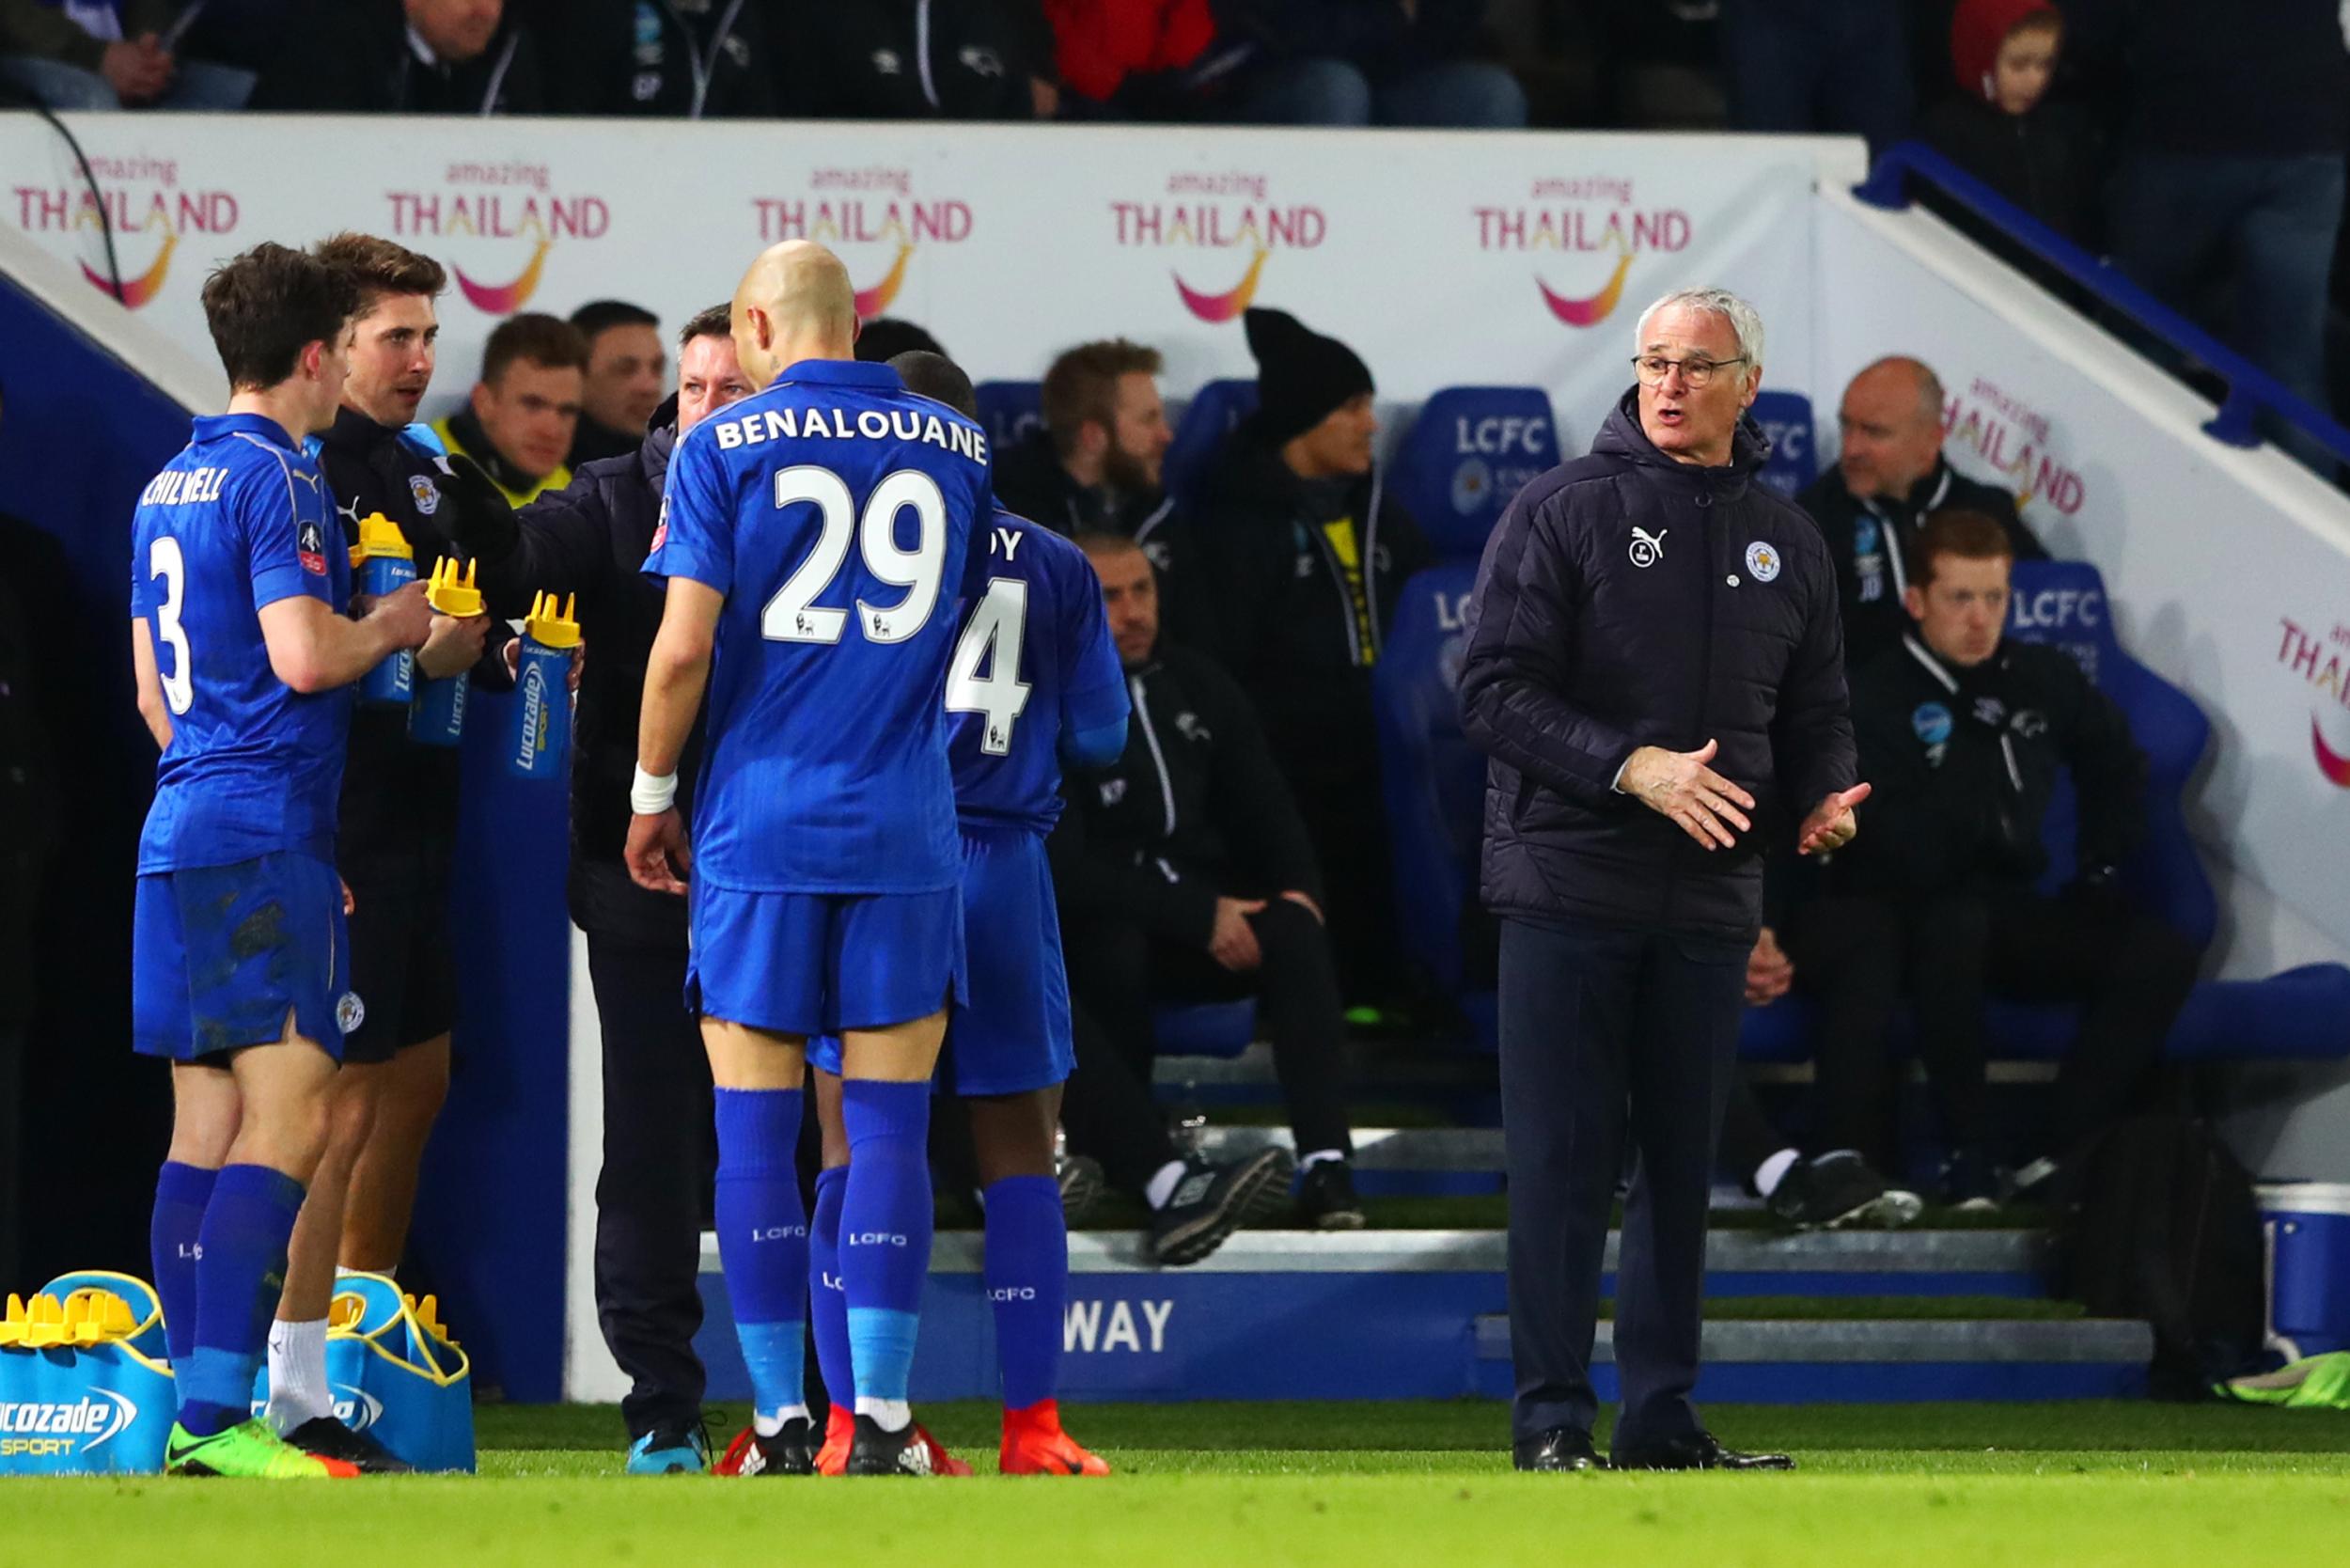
(1302, 377)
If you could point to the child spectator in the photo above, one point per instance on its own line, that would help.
(2001, 129)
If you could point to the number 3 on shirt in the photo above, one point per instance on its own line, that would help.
(793, 615)
(997, 622)
(164, 561)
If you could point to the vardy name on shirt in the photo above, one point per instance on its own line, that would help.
(838, 424)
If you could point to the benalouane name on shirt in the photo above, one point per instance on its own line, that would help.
(871, 424)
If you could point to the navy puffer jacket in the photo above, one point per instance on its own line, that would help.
(1626, 600)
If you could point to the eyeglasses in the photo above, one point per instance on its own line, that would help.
(1654, 368)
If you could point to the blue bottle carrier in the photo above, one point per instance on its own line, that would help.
(84, 1389)
(2308, 1266)
(397, 1374)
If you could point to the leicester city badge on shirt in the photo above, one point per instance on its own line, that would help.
(1761, 561)
(427, 493)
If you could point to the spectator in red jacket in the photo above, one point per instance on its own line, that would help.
(1139, 59)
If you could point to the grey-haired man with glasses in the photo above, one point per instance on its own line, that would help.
(1655, 666)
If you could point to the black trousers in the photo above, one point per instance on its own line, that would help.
(1349, 828)
(1118, 972)
(1608, 1030)
(658, 1158)
(2129, 971)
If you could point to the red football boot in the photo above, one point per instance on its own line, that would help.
(839, 1431)
(1035, 1445)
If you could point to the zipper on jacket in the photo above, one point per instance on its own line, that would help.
(1346, 599)
(704, 66)
(1705, 678)
(1370, 560)
(497, 77)
(1158, 757)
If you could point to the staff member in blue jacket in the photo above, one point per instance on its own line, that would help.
(1655, 666)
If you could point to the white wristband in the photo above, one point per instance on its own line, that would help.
(652, 793)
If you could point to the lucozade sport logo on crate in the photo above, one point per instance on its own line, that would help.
(495, 223)
(145, 204)
(1598, 229)
(1232, 213)
(872, 219)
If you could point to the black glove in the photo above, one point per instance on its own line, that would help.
(481, 521)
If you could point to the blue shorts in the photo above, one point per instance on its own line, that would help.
(812, 964)
(219, 954)
(1011, 1034)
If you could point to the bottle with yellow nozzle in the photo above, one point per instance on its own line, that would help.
(382, 562)
(542, 703)
(438, 715)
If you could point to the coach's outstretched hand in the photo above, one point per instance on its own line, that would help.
(657, 855)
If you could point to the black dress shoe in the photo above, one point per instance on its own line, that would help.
(1700, 1451)
(1561, 1448)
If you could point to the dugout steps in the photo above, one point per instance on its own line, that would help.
(1927, 1314)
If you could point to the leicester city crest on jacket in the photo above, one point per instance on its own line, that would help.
(1761, 561)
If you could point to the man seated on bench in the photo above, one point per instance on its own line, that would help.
(1964, 737)
(1185, 874)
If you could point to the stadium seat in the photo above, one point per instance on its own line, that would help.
(2301, 1014)
(1434, 784)
(1469, 451)
(1209, 418)
(1008, 411)
(1206, 1029)
(1794, 459)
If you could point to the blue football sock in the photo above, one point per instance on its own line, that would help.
(240, 1271)
(180, 1193)
(885, 1231)
(763, 1240)
(828, 1304)
(1028, 1277)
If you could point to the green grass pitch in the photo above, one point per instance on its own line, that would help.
(1287, 1485)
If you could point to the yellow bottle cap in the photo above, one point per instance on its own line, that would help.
(449, 594)
(549, 628)
(380, 535)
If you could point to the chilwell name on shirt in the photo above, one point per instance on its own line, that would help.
(840, 423)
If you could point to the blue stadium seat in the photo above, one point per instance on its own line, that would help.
(1214, 409)
(1205, 1029)
(2063, 603)
(1469, 451)
(1008, 411)
(2301, 1014)
(1786, 419)
(1433, 779)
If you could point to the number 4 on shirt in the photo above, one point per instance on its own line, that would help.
(992, 636)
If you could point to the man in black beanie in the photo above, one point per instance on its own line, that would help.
(1304, 554)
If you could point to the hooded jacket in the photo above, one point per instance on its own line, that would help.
(1289, 622)
(1194, 809)
(591, 539)
(1030, 481)
(1869, 542)
(1627, 600)
(2046, 161)
(1963, 762)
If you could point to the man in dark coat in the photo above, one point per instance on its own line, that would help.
(1654, 664)
(404, 58)
(590, 539)
(1888, 473)
(1965, 737)
(1303, 556)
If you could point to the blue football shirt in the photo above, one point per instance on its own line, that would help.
(1035, 660)
(238, 520)
(834, 511)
